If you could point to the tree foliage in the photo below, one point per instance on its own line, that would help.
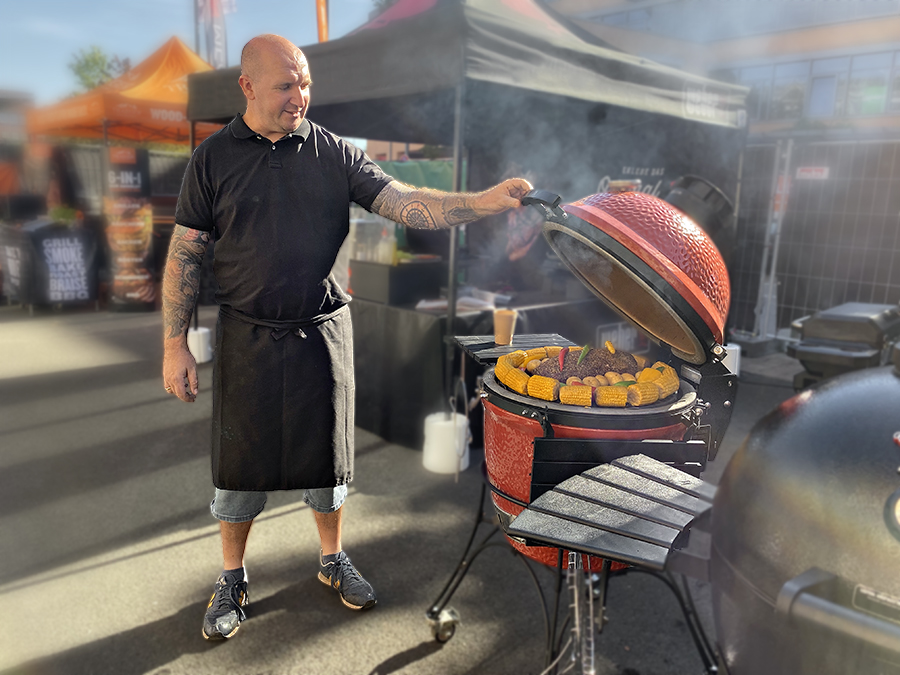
(92, 67)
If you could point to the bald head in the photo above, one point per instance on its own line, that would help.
(275, 80)
(262, 50)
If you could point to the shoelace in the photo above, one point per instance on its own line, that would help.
(344, 571)
(227, 598)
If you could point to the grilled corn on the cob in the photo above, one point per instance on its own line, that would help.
(515, 379)
(516, 358)
(611, 397)
(542, 387)
(642, 393)
(536, 353)
(576, 394)
(667, 383)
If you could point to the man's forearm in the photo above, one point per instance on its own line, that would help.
(181, 282)
(426, 208)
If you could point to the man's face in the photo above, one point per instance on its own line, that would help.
(278, 94)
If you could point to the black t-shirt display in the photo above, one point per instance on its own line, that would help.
(279, 213)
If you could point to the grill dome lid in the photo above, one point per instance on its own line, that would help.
(647, 260)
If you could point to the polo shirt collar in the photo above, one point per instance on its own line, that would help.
(239, 128)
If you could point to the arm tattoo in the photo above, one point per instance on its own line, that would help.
(181, 283)
(423, 207)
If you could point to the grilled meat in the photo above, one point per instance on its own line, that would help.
(597, 361)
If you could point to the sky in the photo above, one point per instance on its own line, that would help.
(39, 38)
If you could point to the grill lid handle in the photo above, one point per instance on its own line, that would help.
(547, 203)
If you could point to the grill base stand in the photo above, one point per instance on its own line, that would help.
(696, 498)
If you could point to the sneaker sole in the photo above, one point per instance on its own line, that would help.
(325, 580)
(219, 636)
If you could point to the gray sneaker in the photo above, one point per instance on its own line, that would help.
(225, 610)
(341, 575)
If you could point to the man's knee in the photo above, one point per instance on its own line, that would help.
(325, 500)
(233, 506)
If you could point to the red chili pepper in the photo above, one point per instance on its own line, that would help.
(562, 357)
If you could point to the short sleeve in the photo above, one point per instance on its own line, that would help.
(194, 207)
(365, 178)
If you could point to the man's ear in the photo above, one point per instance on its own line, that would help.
(247, 87)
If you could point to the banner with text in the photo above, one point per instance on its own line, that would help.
(129, 230)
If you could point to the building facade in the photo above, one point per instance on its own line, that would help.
(819, 202)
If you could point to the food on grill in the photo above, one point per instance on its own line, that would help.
(576, 395)
(540, 373)
(611, 397)
(609, 346)
(667, 381)
(543, 387)
(595, 361)
(641, 360)
(516, 358)
(584, 352)
(613, 377)
(536, 353)
(642, 393)
(515, 379)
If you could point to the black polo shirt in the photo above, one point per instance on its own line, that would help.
(279, 212)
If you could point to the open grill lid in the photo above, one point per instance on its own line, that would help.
(648, 261)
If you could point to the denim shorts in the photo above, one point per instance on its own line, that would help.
(234, 506)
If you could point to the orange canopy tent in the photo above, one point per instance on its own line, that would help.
(147, 103)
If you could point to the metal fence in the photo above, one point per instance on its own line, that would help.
(837, 239)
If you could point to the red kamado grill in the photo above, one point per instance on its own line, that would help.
(658, 268)
(800, 542)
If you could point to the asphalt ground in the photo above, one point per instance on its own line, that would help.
(108, 551)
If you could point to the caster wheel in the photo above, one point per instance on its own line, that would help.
(443, 628)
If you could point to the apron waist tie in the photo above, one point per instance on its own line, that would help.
(281, 328)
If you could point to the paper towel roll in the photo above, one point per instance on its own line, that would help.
(198, 340)
(446, 443)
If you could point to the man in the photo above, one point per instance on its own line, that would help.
(275, 189)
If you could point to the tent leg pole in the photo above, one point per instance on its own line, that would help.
(451, 263)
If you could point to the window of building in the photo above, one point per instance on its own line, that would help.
(828, 87)
(759, 80)
(869, 78)
(789, 90)
(894, 101)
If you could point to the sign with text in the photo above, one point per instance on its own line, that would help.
(68, 258)
(813, 172)
(129, 172)
(129, 234)
(49, 263)
(129, 229)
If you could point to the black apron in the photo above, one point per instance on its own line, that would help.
(283, 396)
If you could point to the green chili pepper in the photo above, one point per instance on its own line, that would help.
(584, 351)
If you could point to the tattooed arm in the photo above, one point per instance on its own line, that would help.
(181, 285)
(433, 209)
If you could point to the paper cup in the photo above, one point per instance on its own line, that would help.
(504, 325)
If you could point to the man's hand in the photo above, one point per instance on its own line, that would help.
(507, 195)
(180, 373)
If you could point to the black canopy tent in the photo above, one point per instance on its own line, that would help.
(509, 80)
